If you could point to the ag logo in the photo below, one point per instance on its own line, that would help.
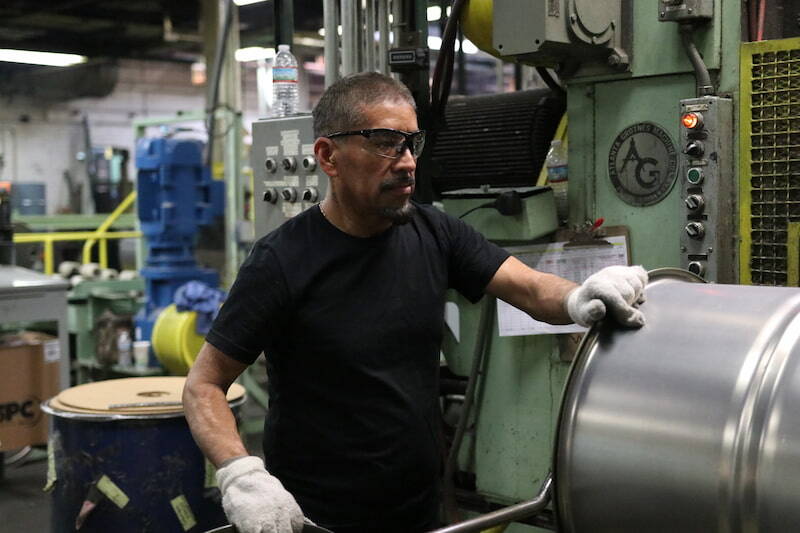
(642, 164)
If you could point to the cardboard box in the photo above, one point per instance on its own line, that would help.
(29, 374)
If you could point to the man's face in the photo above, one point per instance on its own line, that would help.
(375, 186)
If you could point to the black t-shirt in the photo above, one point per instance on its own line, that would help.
(351, 328)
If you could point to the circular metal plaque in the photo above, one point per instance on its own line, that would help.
(642, 164)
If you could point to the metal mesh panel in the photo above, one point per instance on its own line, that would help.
(774, 162)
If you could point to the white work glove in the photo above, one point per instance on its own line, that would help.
(255, 501)
(615, 290)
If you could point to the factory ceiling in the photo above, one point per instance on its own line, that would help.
(140, 29)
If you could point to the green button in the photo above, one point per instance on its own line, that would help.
(694, 176)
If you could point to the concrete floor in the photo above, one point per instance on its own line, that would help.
(24, 506)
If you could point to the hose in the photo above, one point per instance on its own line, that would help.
(702, 77)
(551, 83)
(762, 13)
(443, 72)
(481, 348)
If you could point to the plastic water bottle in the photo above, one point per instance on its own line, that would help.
(557, 178)
(284, 83)
(124, 348)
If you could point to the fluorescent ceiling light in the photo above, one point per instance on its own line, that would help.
(434, 13)
(52, 59)
(247, 2)
(254, 53)
(435, 43)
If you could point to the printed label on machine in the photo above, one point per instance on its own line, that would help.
(308, 149)
(312, 180)
(290, 210)
(271, 151)
(290, 142)
(573, 263)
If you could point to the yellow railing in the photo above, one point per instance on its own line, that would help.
(101, 235)
(103, 228)
(49, 238)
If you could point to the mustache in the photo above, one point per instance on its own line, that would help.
(397, 181)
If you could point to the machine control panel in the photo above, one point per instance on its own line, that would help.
(685, 10)
(286, 177)
(707, 188)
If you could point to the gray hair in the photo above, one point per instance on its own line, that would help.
(342, 105)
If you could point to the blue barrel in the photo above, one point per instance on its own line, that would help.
(113, 468)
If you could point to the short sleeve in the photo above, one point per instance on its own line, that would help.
(250, 316)
(473, 260)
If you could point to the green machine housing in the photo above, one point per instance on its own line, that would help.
(627, 79)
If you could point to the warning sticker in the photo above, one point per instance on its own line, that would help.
(184, 512)
(112, 492)
(210, 477)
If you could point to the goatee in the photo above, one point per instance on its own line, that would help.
(399, 215)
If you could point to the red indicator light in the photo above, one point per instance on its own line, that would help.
(692, 121)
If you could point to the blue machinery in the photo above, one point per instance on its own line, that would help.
(176, 196)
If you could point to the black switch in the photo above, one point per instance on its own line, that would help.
(694, 149)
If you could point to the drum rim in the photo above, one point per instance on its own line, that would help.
(97, 417)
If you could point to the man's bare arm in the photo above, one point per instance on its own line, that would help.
(539, 294)
(207, 411)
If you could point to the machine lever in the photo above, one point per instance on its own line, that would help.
(506, 514)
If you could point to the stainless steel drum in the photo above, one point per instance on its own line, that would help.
(689, 424)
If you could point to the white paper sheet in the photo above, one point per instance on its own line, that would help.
(573, 263)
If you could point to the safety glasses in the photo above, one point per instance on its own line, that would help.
(389, 143)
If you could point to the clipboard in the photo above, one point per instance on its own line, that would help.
(597, 237)
(574, 259)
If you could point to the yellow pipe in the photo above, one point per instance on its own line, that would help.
(73, 236)
(123, 205)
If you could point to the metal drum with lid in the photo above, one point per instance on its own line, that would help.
(122, 459)
(690, 424)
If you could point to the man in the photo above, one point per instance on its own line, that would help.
(347, 302)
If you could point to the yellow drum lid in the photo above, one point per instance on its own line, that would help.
(145, 395)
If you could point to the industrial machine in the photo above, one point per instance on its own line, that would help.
(176, 196)
(96, 309)
(654, 93)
